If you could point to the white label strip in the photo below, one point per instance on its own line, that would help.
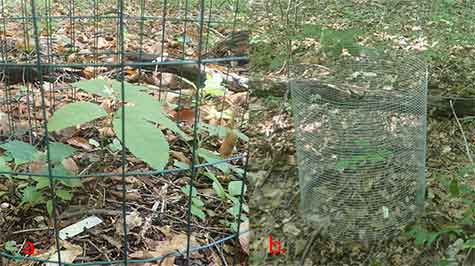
(79, 227)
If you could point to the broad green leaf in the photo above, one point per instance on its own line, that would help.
(42, 181)
(234, 210)
(137, 98)
(4, 167)
(234, 188)
(21, 152)
(143, 139)
(186, 189)
(180, 165)
(197, 212)
(60, 151)
(49, 207)
(101, 87)
(71, 182)
(32, 196)
(59, 170)
(197, 202)
(10, 246)
(74, 114)
(215, 158)
(64, 194)
(2, 193)
(146, 107)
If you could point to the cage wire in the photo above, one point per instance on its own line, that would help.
(129, 113)
(361, 142)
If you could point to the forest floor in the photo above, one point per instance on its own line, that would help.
(442, 233)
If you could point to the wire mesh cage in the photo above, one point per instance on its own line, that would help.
(360, 136)
(122, 132)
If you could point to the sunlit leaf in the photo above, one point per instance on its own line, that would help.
(21, 152)
(74, 114)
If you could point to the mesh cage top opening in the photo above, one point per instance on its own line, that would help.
(360, 137)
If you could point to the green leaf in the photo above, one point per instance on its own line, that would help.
(94, 143)
(234, 188)
(10, 246)
(234, 210)
(213, 85)
(75, 114)
(186, 189)
(470, 243)
(197, 212)
(60, 151)
(4, 167)
(59, 170)
(64, 194)
(218, 188)
(197, 202)
(49, 207)
(221, 131)
(146, 107)
(115, 145)
(180, 165)
(2, 193)
(212, 157)
(21, 151)
(454, 188)
(143, 139)
(42, 182)
(32, 196)
(101, 87)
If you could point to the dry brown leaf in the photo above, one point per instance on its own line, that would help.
(228, 144)
(132, 74)
(80, 142)
(167, 80)
(37, 167)
(70, 165)
(238, 99)
(68, 132)
(244, 237)
(131, 195)
(102, 43)
(133, 221)
(106, 132)
(185, 115)
(107, 105)
(181, 157)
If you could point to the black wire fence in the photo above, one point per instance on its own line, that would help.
(122, 132)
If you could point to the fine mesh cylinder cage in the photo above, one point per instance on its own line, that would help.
(360, 130)
(123, 132)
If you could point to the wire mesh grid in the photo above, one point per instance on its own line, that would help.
(360, 137)
(129, 114)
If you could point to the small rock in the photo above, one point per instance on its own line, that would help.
(5, 205)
